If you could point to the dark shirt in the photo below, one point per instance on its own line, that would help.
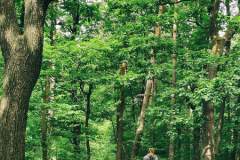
(150, 157)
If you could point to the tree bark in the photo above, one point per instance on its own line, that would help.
(120, 113)
(22, 57)
(219, 126)
(208, 114)
(48, 97)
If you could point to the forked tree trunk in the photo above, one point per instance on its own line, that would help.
(22, 57)
(120, 112)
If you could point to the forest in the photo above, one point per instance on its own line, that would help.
(109, 79)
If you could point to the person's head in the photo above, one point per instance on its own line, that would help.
(151, 150)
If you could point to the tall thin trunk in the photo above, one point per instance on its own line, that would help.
(171, 149)
(148, 94)
(48, 97)
(141, 118)
(174, 78)
(120, 112)
(87, 117)
(76, 18)
(208, 152)
(22, 57)
(77, 128)
(208, 115)
(87, 96)
(44, 117)
(196, 138)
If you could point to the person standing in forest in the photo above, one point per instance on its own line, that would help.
(151, 155)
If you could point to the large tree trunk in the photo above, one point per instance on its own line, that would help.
(22, 56)
(120, 112)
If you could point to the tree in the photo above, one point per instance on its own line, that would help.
(208, 106)
(120, 114)
(48, 96)
(22, 57)
(148, 93)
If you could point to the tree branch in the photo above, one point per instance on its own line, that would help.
(175, 2)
